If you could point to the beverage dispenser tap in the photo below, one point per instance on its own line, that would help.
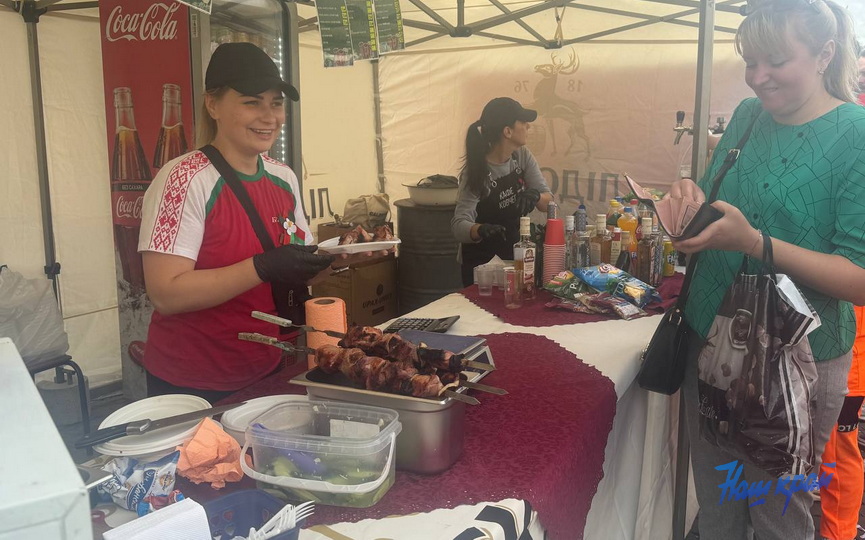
(718, 128)
(681, 129)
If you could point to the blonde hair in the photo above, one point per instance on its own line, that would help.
(207, 128)
(813, 22)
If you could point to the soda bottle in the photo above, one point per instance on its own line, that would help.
(130, 176)
(172, 139)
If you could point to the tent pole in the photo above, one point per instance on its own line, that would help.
(379, 143)
(705, 45)
(291, 48)
(31, 17)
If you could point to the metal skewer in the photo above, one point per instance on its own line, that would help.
(288, 324)
(269, 340)
(484, 388)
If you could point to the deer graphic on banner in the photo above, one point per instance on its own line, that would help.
(554, 107)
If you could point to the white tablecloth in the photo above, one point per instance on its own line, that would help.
(635, 498)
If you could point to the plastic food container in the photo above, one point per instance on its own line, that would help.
(235, 421)
(234, 514)
(337, 454)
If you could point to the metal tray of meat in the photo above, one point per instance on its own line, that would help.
(432, 429)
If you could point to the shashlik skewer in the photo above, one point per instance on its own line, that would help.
(384, 375)
(393, 346)
(269, 340)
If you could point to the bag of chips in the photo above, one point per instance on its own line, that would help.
(134, 481)
(608, 278)
(566, 285)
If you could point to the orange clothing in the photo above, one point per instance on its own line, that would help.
(841, 499)
(856, 379)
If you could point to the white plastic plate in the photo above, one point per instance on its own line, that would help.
(331, 245)
(154, 441)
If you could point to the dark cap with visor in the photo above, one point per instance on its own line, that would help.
(504, 111)
(247, 69)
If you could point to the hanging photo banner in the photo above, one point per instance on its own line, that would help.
(388, 24)
(361, 21)
(335, 33)
(200, 5)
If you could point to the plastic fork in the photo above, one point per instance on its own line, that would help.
(284, 520)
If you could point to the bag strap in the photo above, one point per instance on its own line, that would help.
(279, 291)
(230, 177)
(729, 161)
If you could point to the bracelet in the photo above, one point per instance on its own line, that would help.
(757, 241)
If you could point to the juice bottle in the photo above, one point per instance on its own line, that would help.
(628, 222)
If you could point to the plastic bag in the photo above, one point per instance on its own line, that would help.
(30, 316)
(608, 278)
(757, 375)
(368, 210)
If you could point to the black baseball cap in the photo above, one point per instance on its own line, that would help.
(247, 69)
(504, 111)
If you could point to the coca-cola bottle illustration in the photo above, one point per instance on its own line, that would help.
(130, 176)
(172, 139)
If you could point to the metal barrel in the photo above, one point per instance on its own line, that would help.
(428, 267)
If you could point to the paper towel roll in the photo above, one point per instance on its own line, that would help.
(326, 313)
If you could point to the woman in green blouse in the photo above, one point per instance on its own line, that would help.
(800, 179)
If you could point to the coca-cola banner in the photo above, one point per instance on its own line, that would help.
(148, 106)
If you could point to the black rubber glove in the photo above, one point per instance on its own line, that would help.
(527, 200)
(293, 264)
(491, 229)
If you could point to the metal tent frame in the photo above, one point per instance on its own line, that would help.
(439, 27)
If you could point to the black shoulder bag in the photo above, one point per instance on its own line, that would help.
(663, 360)
(288, 300)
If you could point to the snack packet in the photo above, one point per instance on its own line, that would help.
(619, 306)
(608, 278)
(133, 481)
(566, 285)
(569, 305)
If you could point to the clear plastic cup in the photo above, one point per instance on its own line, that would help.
(486, 277)
(513, 299)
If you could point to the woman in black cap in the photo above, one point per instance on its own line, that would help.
(499, 183)
(207, 218)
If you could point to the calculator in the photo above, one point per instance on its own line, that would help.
(427, 325)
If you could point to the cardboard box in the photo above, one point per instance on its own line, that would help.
(326, 231)
(368, 289)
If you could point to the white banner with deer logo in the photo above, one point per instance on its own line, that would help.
(603, 110)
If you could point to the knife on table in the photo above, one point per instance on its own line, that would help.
(147, 425)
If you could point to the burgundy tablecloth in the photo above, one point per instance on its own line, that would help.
(543, 442)
(535, 313)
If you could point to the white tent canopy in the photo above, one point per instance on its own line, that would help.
(427, 94)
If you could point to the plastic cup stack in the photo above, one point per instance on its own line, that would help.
(554, 249)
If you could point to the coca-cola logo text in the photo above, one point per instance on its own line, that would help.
(156, 23)
(125, 208)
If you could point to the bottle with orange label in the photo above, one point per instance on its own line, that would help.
(628, 222)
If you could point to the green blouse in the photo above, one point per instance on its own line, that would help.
(802, 184)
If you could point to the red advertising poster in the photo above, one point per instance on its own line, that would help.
(148, 105)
